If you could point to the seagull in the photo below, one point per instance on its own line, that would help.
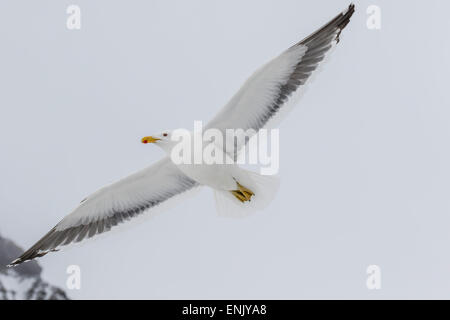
(264, 98)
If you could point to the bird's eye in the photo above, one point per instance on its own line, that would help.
(165, 134)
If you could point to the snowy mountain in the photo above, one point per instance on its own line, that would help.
(23, 281)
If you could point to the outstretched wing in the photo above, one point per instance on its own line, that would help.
(266, 95)
(113, 205)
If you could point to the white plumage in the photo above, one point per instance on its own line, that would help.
(265, 97)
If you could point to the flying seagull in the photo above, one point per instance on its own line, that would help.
(264, 97)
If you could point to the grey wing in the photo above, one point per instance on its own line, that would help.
(113, 205)
(266, 95)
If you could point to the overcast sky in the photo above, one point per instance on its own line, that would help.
(364, 158)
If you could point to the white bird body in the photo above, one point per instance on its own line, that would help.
(264, 97)
(217, 176)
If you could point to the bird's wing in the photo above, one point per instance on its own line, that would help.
(113, 205)
(268, 93)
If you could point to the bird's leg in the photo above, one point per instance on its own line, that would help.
(238, 194)
(247, 195)
(247, 192)
(242, 194)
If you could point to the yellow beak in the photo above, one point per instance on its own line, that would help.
(149, 139)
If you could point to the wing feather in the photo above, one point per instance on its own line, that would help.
(112, 205)
(268, 90)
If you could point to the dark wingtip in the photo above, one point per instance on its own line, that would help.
(346, 15)
(338, 23)
(28, 256)
(350, 9)
(14, 263)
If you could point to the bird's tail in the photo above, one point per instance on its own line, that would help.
(253, 192)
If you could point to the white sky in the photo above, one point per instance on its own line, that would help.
(364, 156)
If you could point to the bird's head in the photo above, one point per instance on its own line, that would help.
(159, 139)
(167, 140)
(162, 140)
